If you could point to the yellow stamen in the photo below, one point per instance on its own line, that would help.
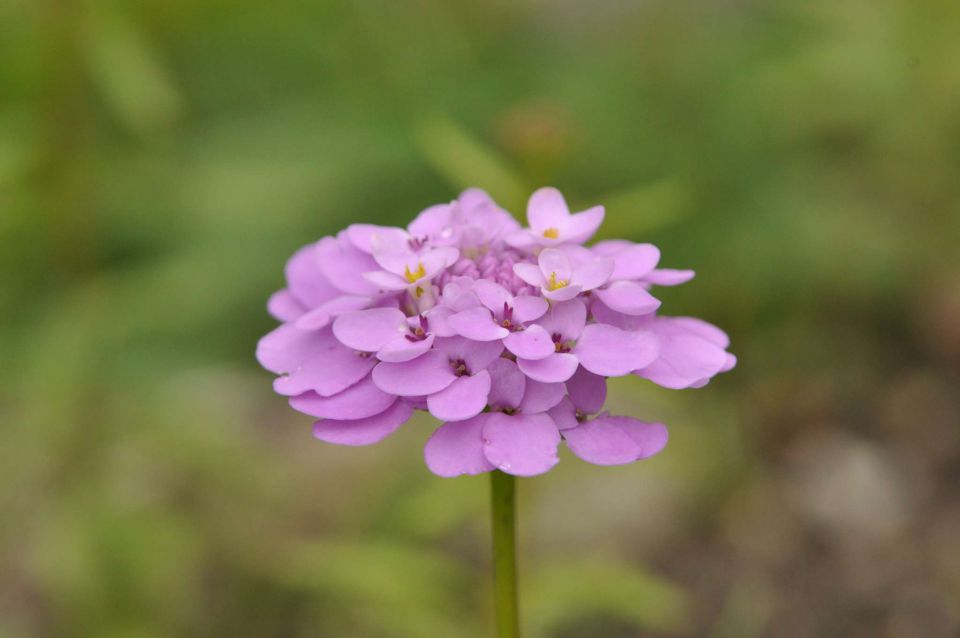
(414, 275)
(556, 284)
(418, 291)
(551, 233)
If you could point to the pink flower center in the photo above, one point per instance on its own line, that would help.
(496, 265)
(559, 344)
(459, 367)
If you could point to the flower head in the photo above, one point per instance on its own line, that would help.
(505, 334)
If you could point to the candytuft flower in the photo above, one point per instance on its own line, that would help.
(505, 334)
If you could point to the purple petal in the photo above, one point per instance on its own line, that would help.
(364, 431)
(323, 314)
(458, 294)
(561, 294)
(587, 391)
(439, 318)
(422, 376)
(532, 343)
(402, 349)
(612, 352)
(581, 226)
(522, 444)
(527, 308)
(554, 264)
(492, 295)
(729, 364)
(457, 448)
(547, 209)
(628, 297)
(593, 274)
(367, 236)
(610, 247)
(283, 306)
(530, 273)
(564, 415)
(701, 328)
(477, 324)
(306, 280)
(507, 384)
(556, 368)
(523, 239)
(540, 397)
(566, 319)
(383, 280)
(579, 255)
(476, 354)
(651, 437)
(604, 314)
(314, 320)
(431, 221)
(685, 360)
(463, 399)
(437, 259)
(286, 347)
(635, 261)
(359, 401)
(369, 330)
(473, 197)
(329, 371)
(394, 254)
(343, 264)
(669, 277)
(601, 442)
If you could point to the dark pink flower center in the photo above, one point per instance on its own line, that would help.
(559, 344)
(420, 332)
(507, 321)
(495, 264)
(459, 367)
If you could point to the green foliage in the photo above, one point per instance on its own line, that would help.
(597, 587)
(160, 160)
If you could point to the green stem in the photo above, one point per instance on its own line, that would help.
(503, 515)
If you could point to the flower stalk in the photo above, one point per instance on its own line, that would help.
(503, 519)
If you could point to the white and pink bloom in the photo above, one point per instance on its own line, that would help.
(506, 334)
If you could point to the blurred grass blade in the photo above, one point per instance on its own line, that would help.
(570, 591)
(464, 161)
(129, 73)
(645, 208)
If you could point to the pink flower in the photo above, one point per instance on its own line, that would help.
(603, 349)
(603, 439)
(552, 224)
(505, 334)
(560, 279)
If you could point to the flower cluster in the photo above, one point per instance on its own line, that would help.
(506, 334)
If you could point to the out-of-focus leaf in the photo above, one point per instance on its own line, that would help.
(563, 592)
(18, 152)
(649, 207)
(465, 161)
(388, 586)
(130, 73)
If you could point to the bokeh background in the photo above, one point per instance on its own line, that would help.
(159, 161)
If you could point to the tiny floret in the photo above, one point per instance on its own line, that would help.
(505, 334)
(555, 283)
(414, 276)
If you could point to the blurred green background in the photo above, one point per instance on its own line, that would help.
(160, 160)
